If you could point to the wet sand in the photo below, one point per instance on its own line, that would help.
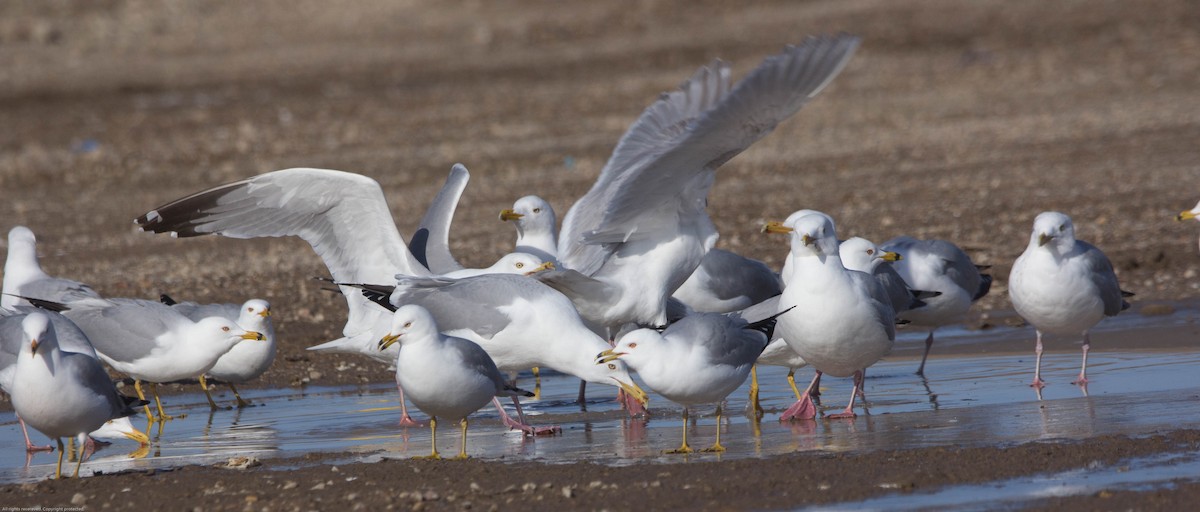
(955, 120)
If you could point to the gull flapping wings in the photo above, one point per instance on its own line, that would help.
(430, 244)
(343, 216)
(665, 163)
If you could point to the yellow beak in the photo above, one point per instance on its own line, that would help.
(33, 344)
(1043, 239)
(1185, 216)
(251, 335)
(549, 265)
(808, 240)
(266, 313)
(775, 227)
(388, 341)
(891, 256)
(139, 436)
(634, 391)
(608, 356)
(508, 214)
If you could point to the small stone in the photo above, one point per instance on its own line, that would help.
(334, 469)
(595, 484)
(317, 487)
(290, 485)
(314, 375)
(352, 496)
(251, 499)
(529, 487)
(475, 487)
(568, 493)
(78, 499)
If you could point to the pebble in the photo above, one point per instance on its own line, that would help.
(78, 499)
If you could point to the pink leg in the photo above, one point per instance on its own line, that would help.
(862, 394)
(848, 413)
(29, 446)
(405, 419)
(928, 345)
(803, 409)
(582, 398)
(1082, 380)
(1037, 369)
(520, 423)
(815, 388)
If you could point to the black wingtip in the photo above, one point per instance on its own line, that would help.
(47, 305)
(166, 299)
(767, 325)
(519, 391)
(985, 286)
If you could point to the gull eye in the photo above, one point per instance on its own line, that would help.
(226, 328)
(250, 310)
(1062, 227)
(633, 345)
(612, 366)
(870, 252)
(520, 265)
(407, 324)
(537, 210)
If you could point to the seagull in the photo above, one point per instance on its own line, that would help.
(60, 393)
(642, 229)
(152, 342)
(937, 266)
(445, 376)
(535, 222)
(845, 321)
(860, 254)
(698, 360)
(430, 243)
(70, 339)
(245, 361)
(520, 322)
(23, 275)
(1063, 286)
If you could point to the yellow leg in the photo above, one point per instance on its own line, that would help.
(204, 386)
(162, 416)
(758, 410)
(241, 402)
(716, 447)
(61, 451)
(137, 386)
(79, 461)
(792, 381)
(684, 448)
(432, 440)
(537, 383)
(462, 452)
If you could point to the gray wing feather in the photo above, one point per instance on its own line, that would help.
(474, 357)
(1104, 277)
(733, 275)
(430, 244)
(470, 303)
(343, 216)
(880, 301)
(667, 159)
(92, 375)
(123, 329)
(724, 338)
(899, 295)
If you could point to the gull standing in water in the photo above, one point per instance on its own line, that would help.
(642, 229)
(446, 377)
(698, 360)
(59, 393)
(245, 361)
(1063, 286)
(844, 321)
(152, 342)
(942, 267)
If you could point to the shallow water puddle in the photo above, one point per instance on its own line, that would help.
(980, 400)
(1133, 474)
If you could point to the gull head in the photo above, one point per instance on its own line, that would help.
(120, 428)
(814, 235)
(1194, 213)
(37, 333)
(609, 369)
(255, 315)
(1053, 230)
(409, 322)
(863, 255)
(520, 263)
(226, 331)
(531, 213)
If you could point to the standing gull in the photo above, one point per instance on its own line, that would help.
(245, 361)
(642, 229)
(70, 339)
(844, 321)
(1063, 286)
(59, 393)
(152, 342)
(937, 266)
(698, 360)
(446, 377)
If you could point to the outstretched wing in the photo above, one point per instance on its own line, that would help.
(343, 216)
(665, 163)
